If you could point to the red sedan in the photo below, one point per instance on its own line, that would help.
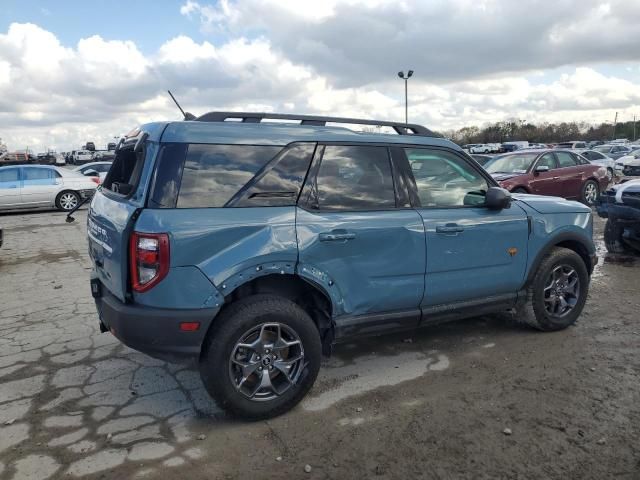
(561, 173)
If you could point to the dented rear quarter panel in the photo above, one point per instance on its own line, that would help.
(225, 246)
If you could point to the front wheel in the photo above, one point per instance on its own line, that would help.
(558, 291)
(590, 192)
(261, 357)
(519, 190)
(67, 200)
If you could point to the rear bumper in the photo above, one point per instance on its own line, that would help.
(86, 193)
(154, 331)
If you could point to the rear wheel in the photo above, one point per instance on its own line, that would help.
(558, 291)
(590, 192)
(613, 231)
(67, 200)
(519, 190)
(261, 358)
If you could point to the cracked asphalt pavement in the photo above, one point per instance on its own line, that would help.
(481, 398)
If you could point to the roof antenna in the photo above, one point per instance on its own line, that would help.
(186, 115)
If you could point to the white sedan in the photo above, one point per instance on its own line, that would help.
(40, 186)
(602, 159)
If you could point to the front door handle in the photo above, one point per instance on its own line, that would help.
(336, 236)
(449, 228)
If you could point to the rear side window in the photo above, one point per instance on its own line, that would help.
(354, 178)
(212, 174)
(565, 159)
(167, 176)
(279, 184)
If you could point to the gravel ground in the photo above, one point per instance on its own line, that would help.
(482, 398)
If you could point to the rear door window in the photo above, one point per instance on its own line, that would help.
(213, 174)
(354, 178)
(38, 176)
(565, 159)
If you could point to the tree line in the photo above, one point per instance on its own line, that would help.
(511, 130)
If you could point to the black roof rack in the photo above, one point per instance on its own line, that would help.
(321, 121)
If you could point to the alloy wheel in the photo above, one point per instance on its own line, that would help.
(266, 361)
(68, 201)
(590, 193)
(562, 291)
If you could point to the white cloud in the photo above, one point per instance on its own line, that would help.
(475, 62)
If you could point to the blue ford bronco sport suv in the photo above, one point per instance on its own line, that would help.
(253, 246)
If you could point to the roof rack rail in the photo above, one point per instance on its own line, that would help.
(251, 117)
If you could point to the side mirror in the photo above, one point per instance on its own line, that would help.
(90, 173)
(497, 198)
(542, 168)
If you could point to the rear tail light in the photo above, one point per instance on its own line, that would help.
(95, 180)
(149, 259)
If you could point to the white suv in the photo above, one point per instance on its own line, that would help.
(82, 156)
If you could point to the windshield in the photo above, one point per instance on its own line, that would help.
(515, 163)
(602, 149)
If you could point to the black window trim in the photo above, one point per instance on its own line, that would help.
(264, 170)
(308, 199)
(491, 182)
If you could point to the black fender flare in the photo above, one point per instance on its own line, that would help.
(585, 249)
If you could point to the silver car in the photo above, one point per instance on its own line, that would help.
(94, 169)
(598, 158)
(39, 186)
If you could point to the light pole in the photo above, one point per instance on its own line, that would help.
(406, 98)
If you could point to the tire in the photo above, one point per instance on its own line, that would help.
(519, 190)
(67, 200)
(590, 193)
(539, 301)
(222, 354)
(613, 237)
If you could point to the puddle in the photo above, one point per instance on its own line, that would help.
(368, 373)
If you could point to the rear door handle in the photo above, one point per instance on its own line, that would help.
(449, 228)
(336, 236)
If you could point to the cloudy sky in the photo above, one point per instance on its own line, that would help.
(81, 70)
